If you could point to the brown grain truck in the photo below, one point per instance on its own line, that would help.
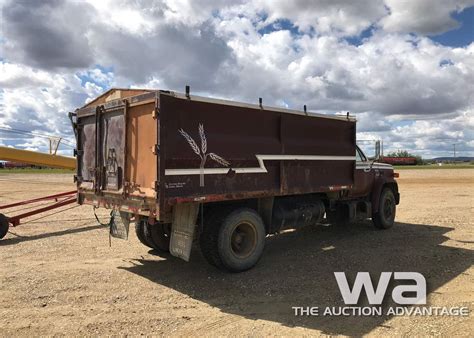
(228, 174)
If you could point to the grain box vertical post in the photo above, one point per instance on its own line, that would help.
(160, 173)
(125, 155)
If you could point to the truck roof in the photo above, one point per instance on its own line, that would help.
(116, 94)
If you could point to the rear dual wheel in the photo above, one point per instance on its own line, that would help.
(155, 236)
(233, 240)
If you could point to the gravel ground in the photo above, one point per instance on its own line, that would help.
(59, 275)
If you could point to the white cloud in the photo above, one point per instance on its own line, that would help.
(99, 76)
(428, 138)
(124, 15)
(38, 101)
(325, 16)
(422, 16)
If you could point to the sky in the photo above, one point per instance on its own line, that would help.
(404, 68)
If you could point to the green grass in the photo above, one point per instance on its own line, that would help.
(435, 166)
(4, 171)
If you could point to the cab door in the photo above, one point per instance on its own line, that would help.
(364, 175)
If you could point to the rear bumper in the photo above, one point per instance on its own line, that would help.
(135, 205)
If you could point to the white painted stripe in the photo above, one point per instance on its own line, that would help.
(375, 166)
(206, 171)
(261, 168)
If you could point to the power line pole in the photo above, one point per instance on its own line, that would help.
(454, 152)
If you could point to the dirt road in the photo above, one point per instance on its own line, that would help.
(58, 274)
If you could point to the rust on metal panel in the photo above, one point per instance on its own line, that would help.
(238, 135)
(116, 144)
(115, 94)
(113, 148)
(143, 206)
(141, 139)
(86, 144)
(249, 195)
(172, 149)
(140, 99)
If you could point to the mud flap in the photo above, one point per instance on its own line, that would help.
(182, 232)
(119, 224)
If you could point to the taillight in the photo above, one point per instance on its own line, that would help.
(396, 175)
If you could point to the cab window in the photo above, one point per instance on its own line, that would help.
(359, 156)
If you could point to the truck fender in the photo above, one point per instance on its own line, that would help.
(377, 191)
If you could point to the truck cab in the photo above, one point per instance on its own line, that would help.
(374, 195)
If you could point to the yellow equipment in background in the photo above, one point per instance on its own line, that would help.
(32, 157)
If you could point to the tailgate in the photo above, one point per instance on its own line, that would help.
(116, 162)
(101, 150)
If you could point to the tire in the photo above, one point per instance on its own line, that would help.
(160, 236)
(384, 216)
(155, 236)
(209, 236)
(4, 225)
(140, 231)
(233, 241)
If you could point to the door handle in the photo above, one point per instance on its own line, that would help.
(366, 170)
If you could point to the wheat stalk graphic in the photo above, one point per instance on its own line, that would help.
(202, 152)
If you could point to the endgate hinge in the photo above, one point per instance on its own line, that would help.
(155, 113)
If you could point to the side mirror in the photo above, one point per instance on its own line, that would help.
(377, 150)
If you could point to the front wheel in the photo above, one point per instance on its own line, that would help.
(233, 241)
(384, 216)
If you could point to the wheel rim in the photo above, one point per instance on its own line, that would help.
(243, 240)
(167, 229)
(388, 209)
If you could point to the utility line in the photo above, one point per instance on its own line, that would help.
(63, 142)
(30, 133)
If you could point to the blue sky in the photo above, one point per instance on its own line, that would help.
(405, 69)
(462, 36)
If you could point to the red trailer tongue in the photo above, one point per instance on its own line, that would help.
(58, 200)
